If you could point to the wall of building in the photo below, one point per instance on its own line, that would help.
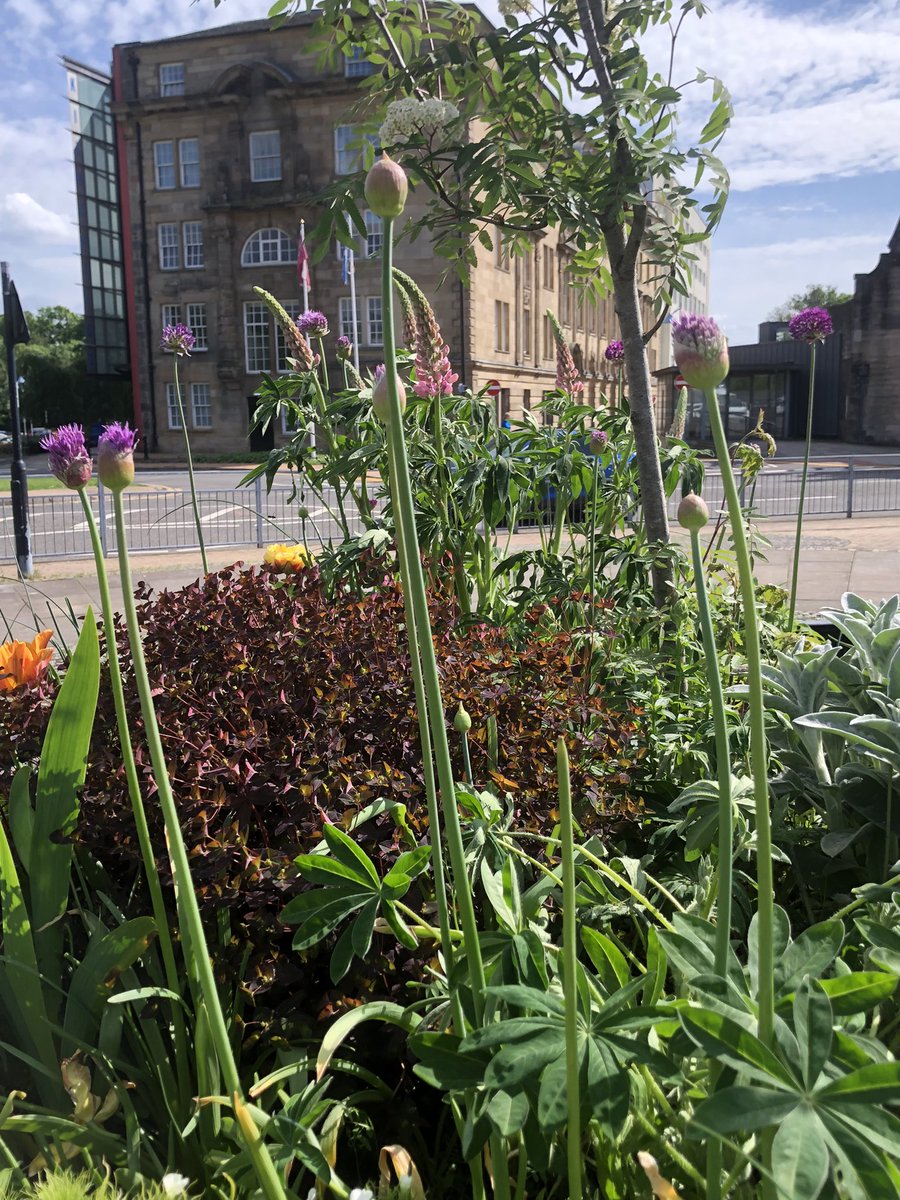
(870, 324)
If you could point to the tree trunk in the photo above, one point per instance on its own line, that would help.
(623, 266)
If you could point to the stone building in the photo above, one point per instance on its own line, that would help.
(223, 136)
(870, 369)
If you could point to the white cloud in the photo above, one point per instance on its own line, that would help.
(25, 215)
(749, 281)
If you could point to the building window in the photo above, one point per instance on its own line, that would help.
(526, 400)
(172, 406)
(171, 79)
(201, 409)
(501, 326)
(374, 234)
(256, 338)
(356, 65)
(502, 253)
(565, 297)
(345, 318)
(189, 158)
(168, 247)
(549, 348)
(293, 310)
(579, 310)
(349, 144)
(374, 322)
(164, 164)
(193, 244)
(526, 332)
(549, 268)
(265, 156)
(196, 321)
(526, 269)
(268, 246)
(171, 315)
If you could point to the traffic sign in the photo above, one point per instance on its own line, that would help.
(680, 382)
(493, 389)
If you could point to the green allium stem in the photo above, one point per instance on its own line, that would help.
(795, 565)
(189, 910)
(570, 972)
(190, 467)
(145, 843)
(592, 567)
(421, 633)
(759, 758)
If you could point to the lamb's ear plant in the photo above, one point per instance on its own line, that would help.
(701, 354)
(115, 468)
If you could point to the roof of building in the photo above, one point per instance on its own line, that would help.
(238, 27)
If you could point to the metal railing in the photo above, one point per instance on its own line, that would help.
(163, 520)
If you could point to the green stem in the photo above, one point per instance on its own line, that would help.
(758, 746)
(190, 467)
(186, 898)
(723, 763)
(145, 843)
(795, 565)
(570, 971)
(415, 583)
(592, 568)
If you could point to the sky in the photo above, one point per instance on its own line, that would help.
(813, 151)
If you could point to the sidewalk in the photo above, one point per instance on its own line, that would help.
(860, 555)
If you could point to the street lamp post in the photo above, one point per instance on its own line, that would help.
(16, 331)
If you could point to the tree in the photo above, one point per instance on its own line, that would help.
(816, 295)
(564, 125)
(56, 326)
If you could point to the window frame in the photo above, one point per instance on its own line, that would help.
(169, 314)
(345, 305)
(198, 388)
(159, 167)
(172, 407)
(501, 326)
(357, 67)
(264, 348)
(188, 246)
(376, 232)
(258, 158)
(358, 151)
(287, 248)
(182, 163)
(174, 245)
(173, 87)
(373, 321)
(200, 346)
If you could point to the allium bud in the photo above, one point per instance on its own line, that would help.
(343, 348)
(692, 512)
(462, 722)
(313, 323)
(701, 351)
(69, 459)
(381, 405)
(614, 352)
(597, 441)
(811, 325)
(303, 512)
(115, 456)
(386, 188)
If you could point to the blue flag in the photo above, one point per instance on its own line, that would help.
(345, 264)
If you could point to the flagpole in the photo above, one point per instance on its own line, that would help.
(357, 329)
(18, 471)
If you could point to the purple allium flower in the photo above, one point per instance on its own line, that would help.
(178, 339)
(313, 323)
(115, 456)
(701, 351)
(69, 459)
(597, 441)
(614, 352)
(811, 325)
(343, 348)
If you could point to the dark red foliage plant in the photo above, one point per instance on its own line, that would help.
(282, 708)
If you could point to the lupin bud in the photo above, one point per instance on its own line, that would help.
(692, 512)
(381, 405)
(462, 722)
(386, 188)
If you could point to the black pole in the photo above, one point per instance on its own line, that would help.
(18, 471)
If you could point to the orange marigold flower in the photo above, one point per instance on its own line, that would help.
(24, 662)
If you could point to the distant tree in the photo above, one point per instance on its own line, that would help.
(816, 295)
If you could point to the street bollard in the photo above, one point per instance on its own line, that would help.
(849, 488)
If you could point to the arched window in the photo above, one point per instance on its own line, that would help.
(268, 246)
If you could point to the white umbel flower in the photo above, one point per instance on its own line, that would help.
(410, 117)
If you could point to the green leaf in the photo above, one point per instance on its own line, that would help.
(378, 1010)
(521, 1063)
(60, 779)
(725, 1039)
(345, 850)
(800, 1155)
(363, 927)
(507, 1112)
(814, 1027)
(331, 872)
(341, 955)
(442, 1065)
(21, 816)
(552, 1106)
(324, 920)
(607, 958)
(812, 953)
(858, 991)
(93, 980)
(741, 1109)
(878, 1083)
